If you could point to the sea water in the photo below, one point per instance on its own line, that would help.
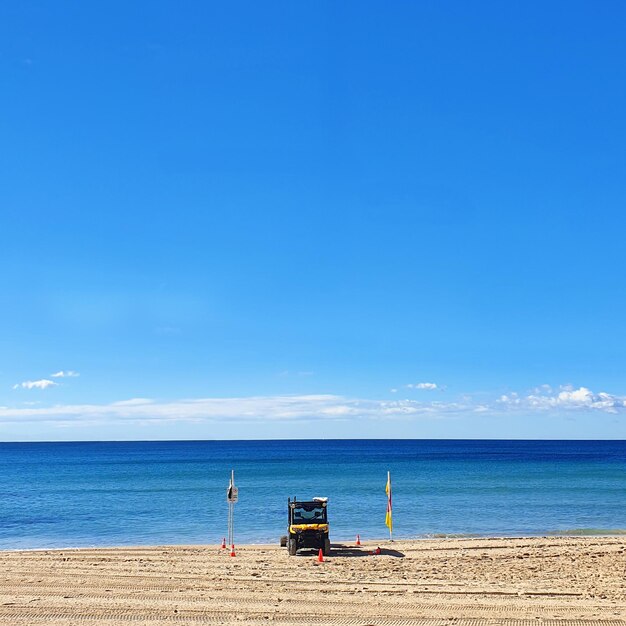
(174, 492)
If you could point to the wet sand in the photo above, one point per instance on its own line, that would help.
(466, 582)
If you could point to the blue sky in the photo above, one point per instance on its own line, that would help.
(254, 220)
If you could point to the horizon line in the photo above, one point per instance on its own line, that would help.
(313, 439)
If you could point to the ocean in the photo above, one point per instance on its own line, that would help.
(174, 492)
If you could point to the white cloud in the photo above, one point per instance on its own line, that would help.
(133, 402)
(44, 383)
(543, 389)
(427, 386)
(65, 374)
(567, 398)
(314, 407)
(255, 408)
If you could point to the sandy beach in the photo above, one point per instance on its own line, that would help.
(555, 580)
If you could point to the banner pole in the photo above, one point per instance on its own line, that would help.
(232, 517)
(390, 500)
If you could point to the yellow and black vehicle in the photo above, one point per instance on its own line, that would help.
(308, 525)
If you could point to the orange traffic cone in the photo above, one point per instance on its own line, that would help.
(320, 556)
(358, 540)
(224, 543)
(232, 550)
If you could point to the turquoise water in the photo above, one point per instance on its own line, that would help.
(130, 493)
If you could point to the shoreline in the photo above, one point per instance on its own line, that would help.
(609, 533)
(428, 582)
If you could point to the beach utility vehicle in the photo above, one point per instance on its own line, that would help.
(307, 525)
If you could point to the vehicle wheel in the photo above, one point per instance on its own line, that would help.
(326, 547)
(292, 546)
(283, 541)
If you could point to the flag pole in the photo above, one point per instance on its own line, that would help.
(232, 516)
(389, 515)
(390, 525)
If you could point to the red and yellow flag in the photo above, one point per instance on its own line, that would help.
(388, 517)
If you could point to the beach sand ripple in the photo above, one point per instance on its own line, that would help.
(553, 581)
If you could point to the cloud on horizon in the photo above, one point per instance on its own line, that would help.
(567, 398)
(311, 407)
